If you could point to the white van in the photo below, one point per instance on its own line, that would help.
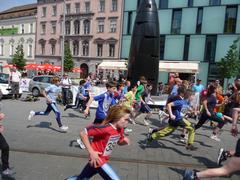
(5, 87)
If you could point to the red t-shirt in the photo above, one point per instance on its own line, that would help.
(105, 137)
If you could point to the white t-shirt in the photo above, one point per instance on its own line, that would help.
(15, 76)
(66, 82)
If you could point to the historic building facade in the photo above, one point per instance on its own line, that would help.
(17, 27)
(92, 31)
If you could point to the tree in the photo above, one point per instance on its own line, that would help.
(18, 57)
(229, 66)
(68, 61)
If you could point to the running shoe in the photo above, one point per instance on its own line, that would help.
(8, 172)
(214, 137)
(191, 147)
(222, 156)
(63, 128)
(150, 130)
(127, 130)
(149, 136)
(146, 123)
(31, 114)
(132, 121)
(190, 175)
(72, 178)
(82, 146)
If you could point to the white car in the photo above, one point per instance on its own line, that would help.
(5, 88)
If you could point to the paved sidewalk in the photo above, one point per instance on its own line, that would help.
(39, 151)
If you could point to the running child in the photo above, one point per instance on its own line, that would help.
(105, 101)
(176, 120)
(105, 137)
(51, 93)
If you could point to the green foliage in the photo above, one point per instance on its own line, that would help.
(68, 61)
(229, 66)
(18, 58)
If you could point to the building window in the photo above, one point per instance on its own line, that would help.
(22, 27)
(163, 4)
(1, 50)
(76, 27)
(162, 46)
(85, 48)
(214, 2)
(75, 48)
(53, 27)
(114, 5)
(230, 19)
(176, 21)
(113, 25)
(30, 50)
(86, 26)
(43, 28)
(111, 50)
(67, 27)
(199, 20)
(11, 50)
(54, 10)
(129, 23)
(87, 7)
(99, 50)
(210, 48)
(190, 3)
(53, 46)
(43, 49)
(101, 7)
(44, 11)
(68, 8)
(31, 28)
(186, 47)
(100, 26)
(77, 8)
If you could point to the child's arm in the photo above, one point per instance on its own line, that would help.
(169, 108)
(88, 105)
(125, 141)
(94, 155)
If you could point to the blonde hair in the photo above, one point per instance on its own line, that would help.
(55, 80)
(115, 113)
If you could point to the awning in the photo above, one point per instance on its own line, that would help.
(179, 66)
(113, 65)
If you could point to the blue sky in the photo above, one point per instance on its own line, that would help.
(6, 4)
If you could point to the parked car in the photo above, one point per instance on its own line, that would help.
(5, 87)
(38, 83)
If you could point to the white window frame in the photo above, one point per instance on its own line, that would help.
(30, 48)
(54, 10)
(100, 26)
(44, 11)
(113, 25)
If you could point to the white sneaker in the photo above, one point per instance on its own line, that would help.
(31, 114)
(127, 130)
(146, 123)
(82, 146)
(132, 121)
(214, 137)
(63, 128)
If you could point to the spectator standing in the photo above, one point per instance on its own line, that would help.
(66, 84)
(15, 78)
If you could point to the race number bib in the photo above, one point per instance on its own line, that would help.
(112, 141)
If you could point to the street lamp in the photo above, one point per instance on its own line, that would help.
(63, 38)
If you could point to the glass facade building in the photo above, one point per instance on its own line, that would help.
(190, 30)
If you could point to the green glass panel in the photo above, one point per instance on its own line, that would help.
(174, 47)
(189, 18)
(196, 47)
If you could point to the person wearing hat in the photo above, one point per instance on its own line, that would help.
(66, 84)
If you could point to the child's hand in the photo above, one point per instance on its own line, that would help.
(95, 161)
(1, 128)
(127, 141)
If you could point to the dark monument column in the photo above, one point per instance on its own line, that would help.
(144, 51)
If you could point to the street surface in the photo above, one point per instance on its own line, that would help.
(40, 152)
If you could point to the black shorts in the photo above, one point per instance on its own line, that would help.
(145, 108)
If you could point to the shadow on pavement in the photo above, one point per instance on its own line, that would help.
(207, 162)
(179, 171)
(46, 125)
(72, 142)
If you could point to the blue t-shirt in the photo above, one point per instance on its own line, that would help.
(174, 90)
(81, 90)
(198, 88)
(105, 100)
(53, 91)
(177, 107)
(125, 89)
